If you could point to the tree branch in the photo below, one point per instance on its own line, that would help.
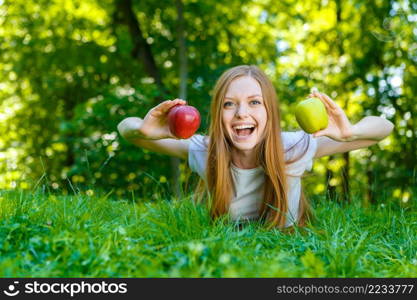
(141, 49)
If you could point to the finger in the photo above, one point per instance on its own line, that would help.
(167, 105)
(330, 102)
(323, 100)
(163, 104)
(171, 136)
(318, 95)
(319, 133)
(162, 108)
(314, 89)
(178, 101)
(313, 94)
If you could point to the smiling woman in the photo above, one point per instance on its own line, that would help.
(243, 162)
(249, 168)
(244, 117)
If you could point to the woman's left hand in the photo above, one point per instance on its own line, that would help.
(339, 127)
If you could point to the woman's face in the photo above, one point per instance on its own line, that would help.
(244, 113)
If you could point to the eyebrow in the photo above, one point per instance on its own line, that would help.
(247, 97)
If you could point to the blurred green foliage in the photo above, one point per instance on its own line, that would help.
(68, 76)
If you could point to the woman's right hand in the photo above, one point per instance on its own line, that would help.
(155, 125)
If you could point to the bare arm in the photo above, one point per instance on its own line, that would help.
(341, 136)
(153, 132)
(129, 128)
(367, 132)
(372, 128)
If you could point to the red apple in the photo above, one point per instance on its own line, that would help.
(183, 120)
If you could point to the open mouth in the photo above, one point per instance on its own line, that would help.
(243, 132)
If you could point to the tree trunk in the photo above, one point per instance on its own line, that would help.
(69, 107)
(346, 167)
(182, 58)
(370, 194)
(331, 190)
(141, 50)
(345, 178)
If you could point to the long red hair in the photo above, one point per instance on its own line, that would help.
(269, 154)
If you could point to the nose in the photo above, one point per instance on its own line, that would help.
(242, 111)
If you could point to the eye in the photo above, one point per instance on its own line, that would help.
(226, 104)
(259, 102)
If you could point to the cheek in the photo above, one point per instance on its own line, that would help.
(261, 129)
(225, 123)
(262, 122)
(262, 118)
(227, 117)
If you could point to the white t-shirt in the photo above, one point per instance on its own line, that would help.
(249, 182)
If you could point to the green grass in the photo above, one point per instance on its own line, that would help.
(44, 235)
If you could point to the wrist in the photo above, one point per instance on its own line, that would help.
(355, 133)
(130, 128)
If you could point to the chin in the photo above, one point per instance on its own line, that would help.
(244, 148)
(249, 145)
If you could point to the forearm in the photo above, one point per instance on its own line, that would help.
(372, 128)
(129, 128)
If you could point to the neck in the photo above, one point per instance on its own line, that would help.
(244, 159)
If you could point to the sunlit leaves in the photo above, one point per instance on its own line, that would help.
(67, 77)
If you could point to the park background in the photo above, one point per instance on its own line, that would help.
(71, 70)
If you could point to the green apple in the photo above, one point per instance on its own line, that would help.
(311, 115)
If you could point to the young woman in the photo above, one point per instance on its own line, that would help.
(251, 168)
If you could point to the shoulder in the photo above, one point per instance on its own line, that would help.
(198, 142)
(197, 153)
(298, 145)
(291, 139)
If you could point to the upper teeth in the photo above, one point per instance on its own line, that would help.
(244, 126)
